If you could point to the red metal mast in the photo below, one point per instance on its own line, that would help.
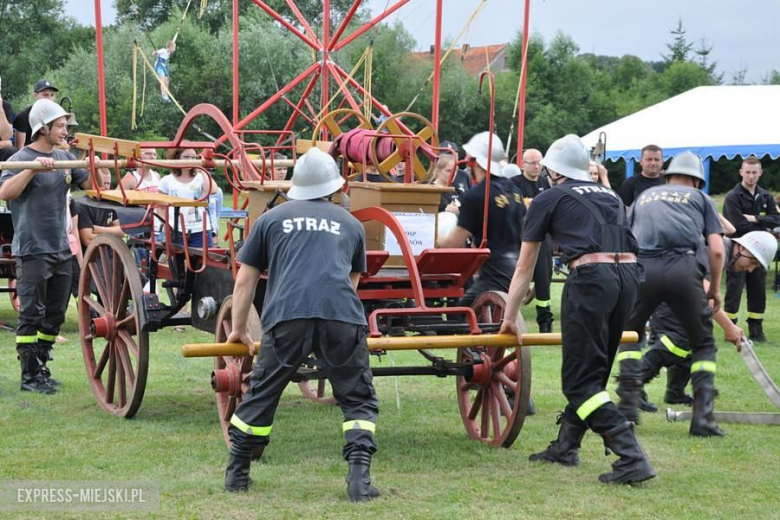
(436, 68)
(101, 70)
(523, 76)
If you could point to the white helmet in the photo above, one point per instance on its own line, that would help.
(479, 149)
(761, 244)
(315, 175)
(511, 170)
(687, 163)
(568, 156)
(43, 112)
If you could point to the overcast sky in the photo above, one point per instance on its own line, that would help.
(743, 33)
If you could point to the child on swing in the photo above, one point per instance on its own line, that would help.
(161, 67)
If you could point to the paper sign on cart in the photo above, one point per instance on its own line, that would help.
(420, 229)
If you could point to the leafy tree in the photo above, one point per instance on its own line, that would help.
(772, 78)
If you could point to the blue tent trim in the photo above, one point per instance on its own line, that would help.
(760, 150)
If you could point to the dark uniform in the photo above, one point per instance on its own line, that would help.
(309, 248)
(543, 270)
(632, 187)
(740, 202)
(670, 223)
(585, 218)
(506, 212)
(43, 263)
(671, 348)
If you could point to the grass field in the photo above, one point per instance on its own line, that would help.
(426, 466)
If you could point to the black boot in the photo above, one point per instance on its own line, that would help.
(632, 466)
(703, 422)
(629, 388)
(359, 486)
(544, 318)
(43, 352)
(32, 378)
(531, 407)
(565, 449)
(244, 449)
(756, 330)
(677, 377)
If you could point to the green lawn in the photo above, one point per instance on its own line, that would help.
(426, 466)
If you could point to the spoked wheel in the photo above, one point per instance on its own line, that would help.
(494, 402)
(230, 378)
(13, 294)
(317, 390)
(417, 148)
(114, 343)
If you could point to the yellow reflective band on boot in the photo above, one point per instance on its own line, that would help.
(731, 315)
(755, 315)
(47, 337)
(628, 354)
(674, 349)
(704, 366)
(359, 425)
(26, 339)
(592, 404)
(259, 431)
(542, 303)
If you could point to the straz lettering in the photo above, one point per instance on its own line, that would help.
(582, 190)
(311, 224)
(666, 196)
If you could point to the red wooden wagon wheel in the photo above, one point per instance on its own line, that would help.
(13, 294)
(335, 123)
(494, 403)
(317, 390)
(114, 343)
(425, 139)
(230, 378)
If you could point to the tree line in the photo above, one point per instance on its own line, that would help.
(567, 91)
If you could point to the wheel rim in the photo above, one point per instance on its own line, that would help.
(494, 403)
(114, 344)
(428, 140)
(230, 378)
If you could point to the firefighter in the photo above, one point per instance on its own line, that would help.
(310, 306)
(505, 217)
(588, 222)
(755, 250)
(531, 184)
(669, 223)
(750, 208)
(40, 245)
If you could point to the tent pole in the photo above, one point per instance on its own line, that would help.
(707, 162)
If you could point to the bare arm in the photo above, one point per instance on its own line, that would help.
(457, 238)
(14, 186)
(243, 297)
(716, 257)
(728, 227)
(129, 182)
(732, 332)
(521, 280)
(87, 235)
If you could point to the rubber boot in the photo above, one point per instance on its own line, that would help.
(632, 466)
(756, 330)
(32, 378)
(544, 319)
(359, 486)
(703, 422)
(531, 407)
(629, 388)
(43, 352)
(677, 377)
(244, 449)
(564, 450)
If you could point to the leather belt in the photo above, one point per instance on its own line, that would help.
(603, 258)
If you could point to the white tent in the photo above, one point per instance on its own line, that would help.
(713, 122)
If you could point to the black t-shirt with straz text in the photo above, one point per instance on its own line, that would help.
(570, 224)
(309, 249)
(632, 187)
(506, 211)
